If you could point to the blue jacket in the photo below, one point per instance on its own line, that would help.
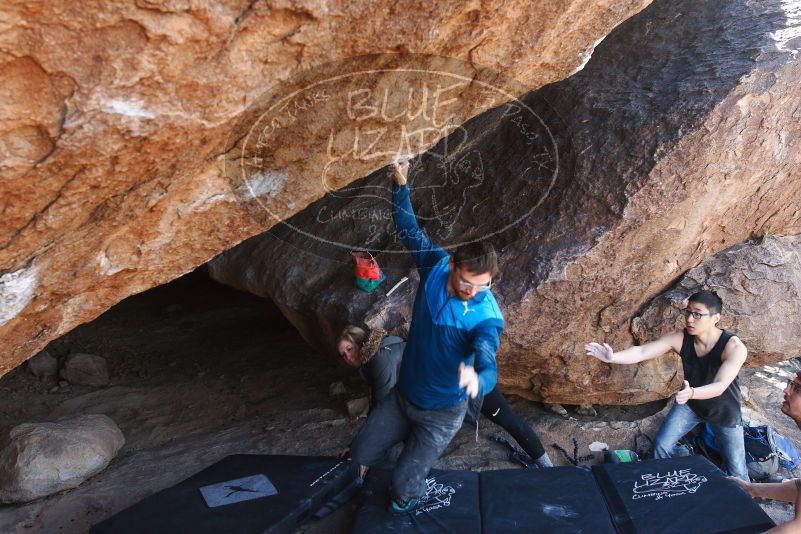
(445, 330)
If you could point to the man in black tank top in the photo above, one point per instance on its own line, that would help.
(711, 358)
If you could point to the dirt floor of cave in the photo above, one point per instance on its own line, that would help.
(199, 371)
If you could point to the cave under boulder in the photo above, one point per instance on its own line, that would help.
(679, 139)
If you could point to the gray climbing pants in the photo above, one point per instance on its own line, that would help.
(425, 434)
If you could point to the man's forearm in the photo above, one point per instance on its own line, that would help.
(629, 356)
(786, 491)
(487, 370)
(484, 348)
(402, 212)
(487, 380)
(709, 391)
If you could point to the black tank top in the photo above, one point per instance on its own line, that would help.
(723, 410)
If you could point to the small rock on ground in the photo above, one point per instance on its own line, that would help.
(557, 409)
(43, 365)
(336, 389)
(85, 369)
(358, 407)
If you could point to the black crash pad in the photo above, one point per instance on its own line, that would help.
(681, 495)
(451, 504)
(686, 495)
(559, 499)
(301, 485)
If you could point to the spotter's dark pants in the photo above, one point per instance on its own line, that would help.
(496, 409)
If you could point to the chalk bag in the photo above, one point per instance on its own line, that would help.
(365, 269)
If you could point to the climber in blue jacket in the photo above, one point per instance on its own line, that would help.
(450, 354)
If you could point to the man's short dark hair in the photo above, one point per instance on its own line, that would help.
(710, 299)
(478, 258)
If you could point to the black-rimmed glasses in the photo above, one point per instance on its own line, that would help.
(685, 312)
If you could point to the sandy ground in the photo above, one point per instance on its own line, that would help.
(199, 372)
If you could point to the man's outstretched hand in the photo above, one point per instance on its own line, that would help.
(399, 172)
(468, 380)
(602, 352)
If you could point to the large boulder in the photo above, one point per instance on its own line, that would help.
(760, 285)
(40, 459)
(119, 120)
(680, 138)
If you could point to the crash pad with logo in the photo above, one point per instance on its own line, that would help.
(243, 493)
(686, 495)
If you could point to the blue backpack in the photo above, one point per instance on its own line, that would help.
(788, 455)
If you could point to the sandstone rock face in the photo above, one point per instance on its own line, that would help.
(118, 123)
(45, 458)
(679, 139)
(760, 284)
(85, 369)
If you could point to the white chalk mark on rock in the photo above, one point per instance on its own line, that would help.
(789, 38)
(586, 55)
(107, 268)
(16, 292)
(264, 183)
(129, 108)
